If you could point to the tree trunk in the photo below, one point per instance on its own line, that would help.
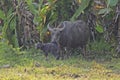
(118, 25)
(26, 29)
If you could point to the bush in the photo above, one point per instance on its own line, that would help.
(101, 49)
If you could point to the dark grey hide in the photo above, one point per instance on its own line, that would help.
(71, 34)
(52, 48)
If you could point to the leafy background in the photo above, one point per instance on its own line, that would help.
(24, 23)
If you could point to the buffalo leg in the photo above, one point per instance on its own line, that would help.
(57, 55)
(84, 51)
(68, 53)
(62, 54)
(46, 56)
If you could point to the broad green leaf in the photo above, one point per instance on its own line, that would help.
(99, 28)
(111, 3)
(2, 14)
(31, 7)
(102, 11)
(106, 10)
(84, 4)
(12, 23)
(15, 40)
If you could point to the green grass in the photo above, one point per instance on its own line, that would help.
(31, 65)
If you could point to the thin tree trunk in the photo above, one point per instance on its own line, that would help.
(118, 24)
(118, 47)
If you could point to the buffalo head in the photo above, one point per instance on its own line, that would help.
(38, 45)
(55, 32)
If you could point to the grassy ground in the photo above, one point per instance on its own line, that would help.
(31, 65)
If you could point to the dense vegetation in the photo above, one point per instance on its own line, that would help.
(24, 23)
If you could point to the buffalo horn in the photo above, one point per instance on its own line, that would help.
(49, 28)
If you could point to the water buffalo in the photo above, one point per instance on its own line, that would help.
(71, 35)
(51, 47)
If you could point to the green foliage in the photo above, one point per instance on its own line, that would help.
(101, 46)
(6, 51)
(82, 7)
(64, 10)
(99, 28)
(31, 6)
(10, 55)
(112, 3)
(105, 11)
(2, 14)
(9, 28)
(108, 9)
(42, 14)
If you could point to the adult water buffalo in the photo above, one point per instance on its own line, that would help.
(71, 34)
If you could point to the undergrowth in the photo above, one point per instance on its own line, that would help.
(31, 65)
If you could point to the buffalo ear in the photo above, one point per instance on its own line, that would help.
(49, 28)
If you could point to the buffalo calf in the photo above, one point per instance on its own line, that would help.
(51, 47)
